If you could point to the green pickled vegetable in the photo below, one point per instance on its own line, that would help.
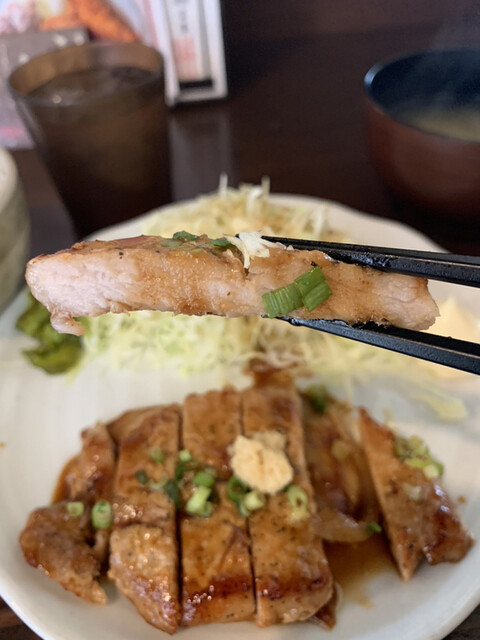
(56, 359)
(56, 352)
(33, 318)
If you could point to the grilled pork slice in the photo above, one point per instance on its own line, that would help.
(343, 489)
(147, 455)
(211, 422)
(197, 278)
(90, 476)
(217, 582)
(58, 544)
(143, 546)
(292, 577)
(420, 518)
(124, 425)
(143, 565)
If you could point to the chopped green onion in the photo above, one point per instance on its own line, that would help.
(75, 509)
(433, 470)
(309, 280)
(316, 296)
(214, 496)
(318, 397)
(254, 500)
(203, 479)
(207, 510)
(173, 492)
(184, 455)
(157, 455)
(222, 243)
(416, 463)
(308, 290)
(169, 243)
(183, 467)
(415, 454)
(416, 443)
(373, 527)
(313, 288)
(102, 514)
(299, 502)
(242, 510)
(211, 470)
(281, 301)
(401, 448)
(184, 235)
(157, 486)
(196, 503)
(236, 489)
(142, 477)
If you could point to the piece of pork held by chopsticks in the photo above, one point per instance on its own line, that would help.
(217, 581)
(60, 539)
(143, 544)
(202, 276)
(420, 518)
(292, 577)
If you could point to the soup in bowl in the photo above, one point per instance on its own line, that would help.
(423, 128)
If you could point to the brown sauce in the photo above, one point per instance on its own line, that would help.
(61, 488)
(354, 565)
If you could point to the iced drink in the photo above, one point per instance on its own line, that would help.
(97, 115)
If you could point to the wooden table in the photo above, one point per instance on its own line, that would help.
(295, 114)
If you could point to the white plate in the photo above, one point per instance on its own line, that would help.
(40, 420)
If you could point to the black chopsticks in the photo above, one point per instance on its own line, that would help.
(456, 269)
(447, 267)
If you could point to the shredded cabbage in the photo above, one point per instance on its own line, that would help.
(190, 344)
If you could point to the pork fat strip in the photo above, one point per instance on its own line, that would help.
(292, 576)
(198, 278)
(143, 545)
(217, 582)
(58, 543)
(420, 518)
